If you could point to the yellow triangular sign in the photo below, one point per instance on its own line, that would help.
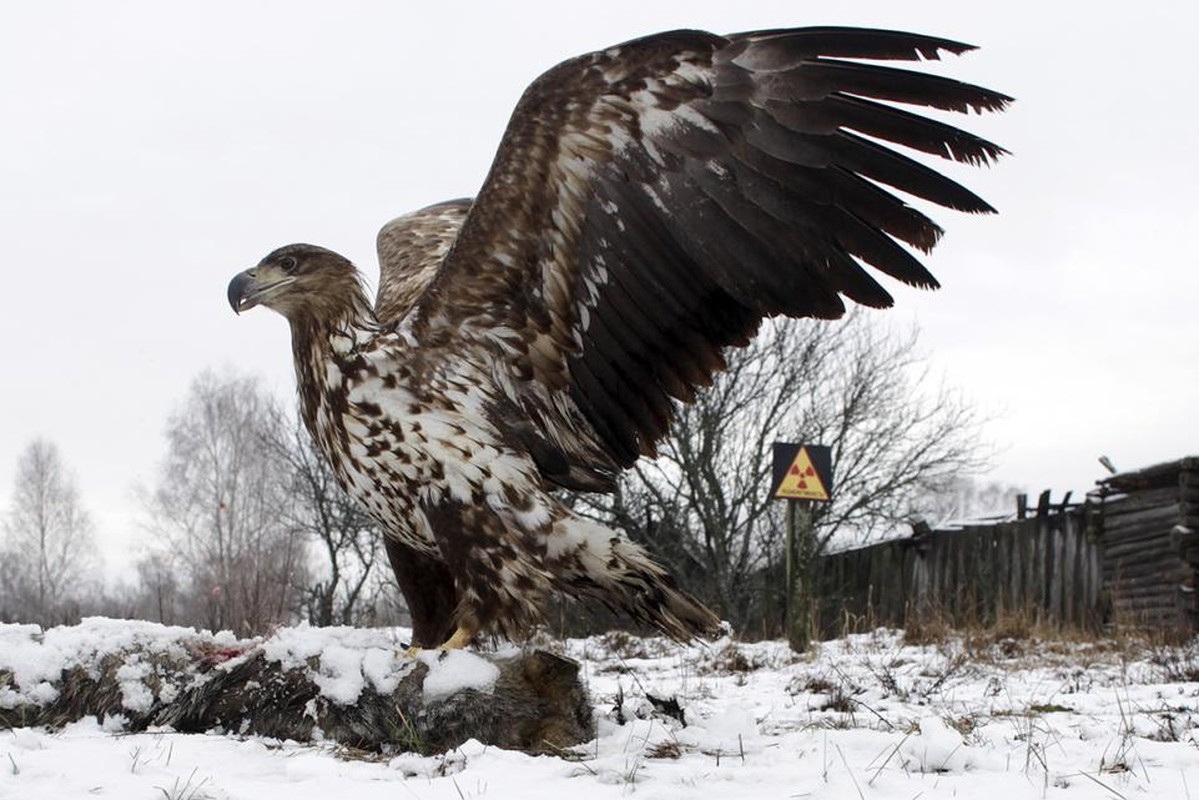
(802, 481)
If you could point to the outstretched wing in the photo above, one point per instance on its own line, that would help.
(650, 203)
(411, 249)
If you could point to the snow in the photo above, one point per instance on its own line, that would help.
(35, 658)
(452, 671)
(866, 717)
(935, 747)
(135, 694)
(346, 659)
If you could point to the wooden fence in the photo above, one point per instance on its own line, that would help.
(1127, 557)
(1046, 567)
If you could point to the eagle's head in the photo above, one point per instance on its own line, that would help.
(301, 282)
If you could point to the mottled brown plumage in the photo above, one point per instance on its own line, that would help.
(648, 206)
(411, 249)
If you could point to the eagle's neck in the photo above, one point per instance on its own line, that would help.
(326, 348)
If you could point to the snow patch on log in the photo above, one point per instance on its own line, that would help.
(347, 659)
(35, 660)
(454, 671)
(349, 685)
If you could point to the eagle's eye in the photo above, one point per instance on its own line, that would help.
(287, 263)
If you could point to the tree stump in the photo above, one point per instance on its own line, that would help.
(341, 684)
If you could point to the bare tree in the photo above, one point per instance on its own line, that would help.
(49, 551)
(966, 498)
(222, 512)
(345, 583)
(858, 387)
(159, 596)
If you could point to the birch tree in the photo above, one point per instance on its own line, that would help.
(223, 512)
(349, 570)
(49, 554)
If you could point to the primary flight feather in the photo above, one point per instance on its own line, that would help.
(648, 206)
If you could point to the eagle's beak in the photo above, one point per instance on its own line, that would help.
(248, 289)
(241, 290)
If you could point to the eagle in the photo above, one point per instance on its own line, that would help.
(648, 206)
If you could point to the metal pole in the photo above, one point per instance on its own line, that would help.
(799, 575)
(789, 574)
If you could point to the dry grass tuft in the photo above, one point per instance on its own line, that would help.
(931, 628)
(665, 749)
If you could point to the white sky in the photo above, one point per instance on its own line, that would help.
(149, 150)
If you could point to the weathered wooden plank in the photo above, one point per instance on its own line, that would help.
(1157, 547)
(1167, 583)
(1137, 501)
(1090, 611)
(1155, 519)
(1053, 586)
(1182, 537)
(1039, 569)
(1013, 557)
(1067, 577)
(1158, 539)
(1150, 517)
(1149, 614)
(1145, 563)
(1147, 607)
(1146, 591)
(1147, 604)
(1032, 573)
(1131, 503)
(1145, 571)
(1150, 477)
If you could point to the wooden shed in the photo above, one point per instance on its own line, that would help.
(1147, 523)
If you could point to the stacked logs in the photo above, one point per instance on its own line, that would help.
(1149, 523)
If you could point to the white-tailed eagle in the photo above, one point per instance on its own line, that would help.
(648, 206)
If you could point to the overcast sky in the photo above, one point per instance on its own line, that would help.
(150, 150)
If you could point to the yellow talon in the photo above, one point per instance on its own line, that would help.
(459, 640)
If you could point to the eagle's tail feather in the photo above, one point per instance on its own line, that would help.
(599, 564)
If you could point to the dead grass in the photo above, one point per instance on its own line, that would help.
(624, 644)
(818, 685)
(730, 659)
(1022, 635)
(840, 701)
(1179, 662)
(932, 627)
(669, 749)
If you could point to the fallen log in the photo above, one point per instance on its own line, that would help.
(347, 685)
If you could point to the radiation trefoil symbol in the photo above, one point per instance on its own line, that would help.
(801, 480)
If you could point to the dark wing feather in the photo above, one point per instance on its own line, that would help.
(650, 203)
(411, 249)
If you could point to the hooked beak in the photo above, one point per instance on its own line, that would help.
(247, 289)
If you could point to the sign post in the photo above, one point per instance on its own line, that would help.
(803, 475)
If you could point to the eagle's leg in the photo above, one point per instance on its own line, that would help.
(429, 592)
(461, 638)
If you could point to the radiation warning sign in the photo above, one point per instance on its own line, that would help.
(802, 472)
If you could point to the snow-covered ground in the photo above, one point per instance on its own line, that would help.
(863, 717)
